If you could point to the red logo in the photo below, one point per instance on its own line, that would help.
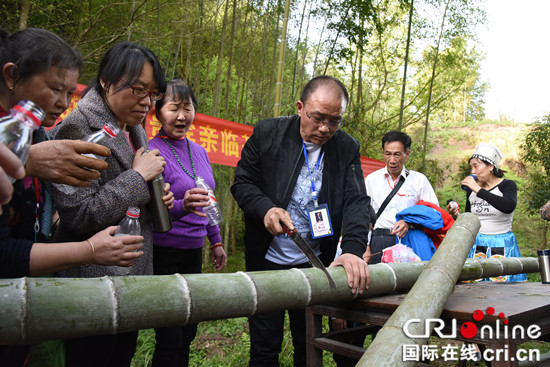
(469, 330)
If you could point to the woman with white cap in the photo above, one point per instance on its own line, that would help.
(493, 199)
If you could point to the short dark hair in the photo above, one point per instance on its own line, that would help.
(320, 81)
(177, 90)
(35, 50)
(394, 135)
(126, 59)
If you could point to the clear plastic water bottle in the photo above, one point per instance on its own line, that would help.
(16, 128)
(102, 136)
(213, 211)
(128, 226)
(453, 204)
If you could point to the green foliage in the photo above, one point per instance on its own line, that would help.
(535, 151)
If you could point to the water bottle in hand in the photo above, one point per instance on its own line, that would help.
(129, 226)
(16, 128)
(213, 211)
(453, 204)
(102, 136)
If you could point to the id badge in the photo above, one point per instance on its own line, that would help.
(319, 221)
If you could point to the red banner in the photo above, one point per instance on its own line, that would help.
(222, 139)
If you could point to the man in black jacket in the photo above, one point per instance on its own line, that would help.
(290, 169)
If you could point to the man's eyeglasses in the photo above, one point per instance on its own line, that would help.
(334, 124)
(140, 92)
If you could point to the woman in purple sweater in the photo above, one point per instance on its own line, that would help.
(180, 249)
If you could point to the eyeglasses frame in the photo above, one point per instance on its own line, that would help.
(153, 95)
(322, 122)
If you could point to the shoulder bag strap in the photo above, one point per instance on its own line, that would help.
(390, 196)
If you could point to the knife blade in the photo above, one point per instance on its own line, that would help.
(308, 251)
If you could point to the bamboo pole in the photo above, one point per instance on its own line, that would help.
(35, 309)
(438, 281)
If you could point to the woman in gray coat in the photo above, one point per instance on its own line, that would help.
(128, 83)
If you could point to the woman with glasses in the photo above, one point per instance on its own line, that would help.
(129, 81)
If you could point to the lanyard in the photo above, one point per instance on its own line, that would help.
(312, 177)
(389, 183)
(194, 175)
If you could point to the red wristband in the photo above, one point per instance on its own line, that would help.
(216, 245)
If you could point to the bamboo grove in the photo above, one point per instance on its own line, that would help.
(228, 51)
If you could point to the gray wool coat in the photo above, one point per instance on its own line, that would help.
(104, 203)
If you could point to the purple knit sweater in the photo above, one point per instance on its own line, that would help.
(188, 230)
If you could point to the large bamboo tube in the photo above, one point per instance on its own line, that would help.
(437, 281)
(34, 309)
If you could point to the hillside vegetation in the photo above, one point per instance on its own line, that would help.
(453, 145)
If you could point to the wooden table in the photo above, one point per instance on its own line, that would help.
(523, 304)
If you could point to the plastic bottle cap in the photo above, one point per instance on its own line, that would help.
(109, 131)
(28, 113)
(133, 212)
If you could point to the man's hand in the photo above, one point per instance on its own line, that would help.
(357, 271)
(367, 255)
(274, 218)
(400, 228)
(61, 161)
(11, 166)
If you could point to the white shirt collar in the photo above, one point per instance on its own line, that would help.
(403, 173)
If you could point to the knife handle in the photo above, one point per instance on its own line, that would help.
(288, 231)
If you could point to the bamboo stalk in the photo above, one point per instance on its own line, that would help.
(437, 281)
(35, 309)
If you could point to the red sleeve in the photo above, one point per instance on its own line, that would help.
(448, 221)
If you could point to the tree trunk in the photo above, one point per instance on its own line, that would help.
(334, 42)
(403, 87)
(131, 26)
(297, 49)
(431, 87)
(280, 64)
(359, 96)
(24, 18)
(230, 62)
(318, 50)
(219, 67)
